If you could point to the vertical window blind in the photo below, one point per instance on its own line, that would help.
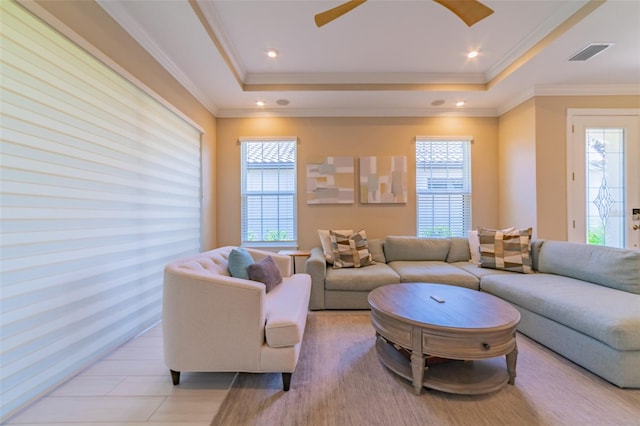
(269, 192)
(443, 186)
(100, 189)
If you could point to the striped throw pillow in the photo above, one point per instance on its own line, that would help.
(350, 251)
(507, 251)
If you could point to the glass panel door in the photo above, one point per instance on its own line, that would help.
(603, 190)
(605, 200)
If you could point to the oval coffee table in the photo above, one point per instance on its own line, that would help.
(469, 328)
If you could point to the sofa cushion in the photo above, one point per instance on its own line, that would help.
(429, 271)
(509, 251)
(285, 314)
(477, 271)
(607, 266)
(239, 260)
(458, 250)
(608, 315)
(376, 249)
(414, 248)
(325, 242)
(350, 251)
(266, 271)
(360, 279)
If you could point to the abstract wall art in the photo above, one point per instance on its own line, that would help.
(383, 179)
(331, 180)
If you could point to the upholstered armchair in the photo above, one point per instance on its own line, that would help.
(212, 321)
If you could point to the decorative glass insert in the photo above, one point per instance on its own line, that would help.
(605, 195)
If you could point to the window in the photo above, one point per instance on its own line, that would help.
(269, 192)
(443, 186)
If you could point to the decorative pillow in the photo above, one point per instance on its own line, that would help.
(474, 243)
(350, 251)
(325, 241)
(508, 251)
(266, 271)
(239, 260)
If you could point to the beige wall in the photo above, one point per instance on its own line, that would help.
(519, 181)
(355, 137)
(543, 121)
(517, 167)
(551, 152)
(94, 25)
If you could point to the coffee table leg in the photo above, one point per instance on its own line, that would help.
(512, 358)
(417, 360)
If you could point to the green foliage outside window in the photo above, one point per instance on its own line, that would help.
(596, 235)
(270, 236)
(436, 232)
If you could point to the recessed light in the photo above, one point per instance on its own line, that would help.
(460, 103)
(472, 54)
(282, 102)
(438, 102)
(272, 53)
(260, 103)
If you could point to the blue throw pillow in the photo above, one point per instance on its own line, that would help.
(239, 261)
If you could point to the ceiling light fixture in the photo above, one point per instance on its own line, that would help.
(460, 103)
(272, 53)
(472, 54)
(260, 103)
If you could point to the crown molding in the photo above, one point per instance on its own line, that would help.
(556, 19)
(515, 101)
(407, 78)
(588, 90)
(564, 90)
(215, 23)
(571, 90)
(356, 112)
(133, 27)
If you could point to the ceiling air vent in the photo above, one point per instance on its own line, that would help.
(590, 51)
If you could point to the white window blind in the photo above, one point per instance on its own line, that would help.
(100, 189)
(269, 192)
(443, 187)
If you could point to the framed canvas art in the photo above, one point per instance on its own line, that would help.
(383, 179)
(331, 180)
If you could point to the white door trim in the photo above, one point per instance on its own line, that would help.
(572, 113)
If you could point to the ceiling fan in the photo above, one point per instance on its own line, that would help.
(470, 11)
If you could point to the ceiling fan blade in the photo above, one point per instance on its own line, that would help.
(470, 11)
(331, 14)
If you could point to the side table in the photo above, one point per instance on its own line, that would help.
(294, 254)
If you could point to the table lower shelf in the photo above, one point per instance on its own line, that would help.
(459, 377)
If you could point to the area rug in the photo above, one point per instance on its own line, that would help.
(340, 381)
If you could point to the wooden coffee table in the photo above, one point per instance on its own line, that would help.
(470, 328)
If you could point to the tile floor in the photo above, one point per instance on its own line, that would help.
(131, 386)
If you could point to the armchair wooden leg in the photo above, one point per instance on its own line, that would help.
(286, 381)
(175, 377)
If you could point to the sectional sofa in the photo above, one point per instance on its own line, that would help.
(582, 301)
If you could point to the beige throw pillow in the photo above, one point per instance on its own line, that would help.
(508, 251)
(350, 251)
(325, 241)
(474, 242)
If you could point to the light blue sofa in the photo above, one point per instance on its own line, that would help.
(583, 301)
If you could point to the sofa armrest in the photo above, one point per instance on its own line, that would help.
(203, 317)
(316, 267)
